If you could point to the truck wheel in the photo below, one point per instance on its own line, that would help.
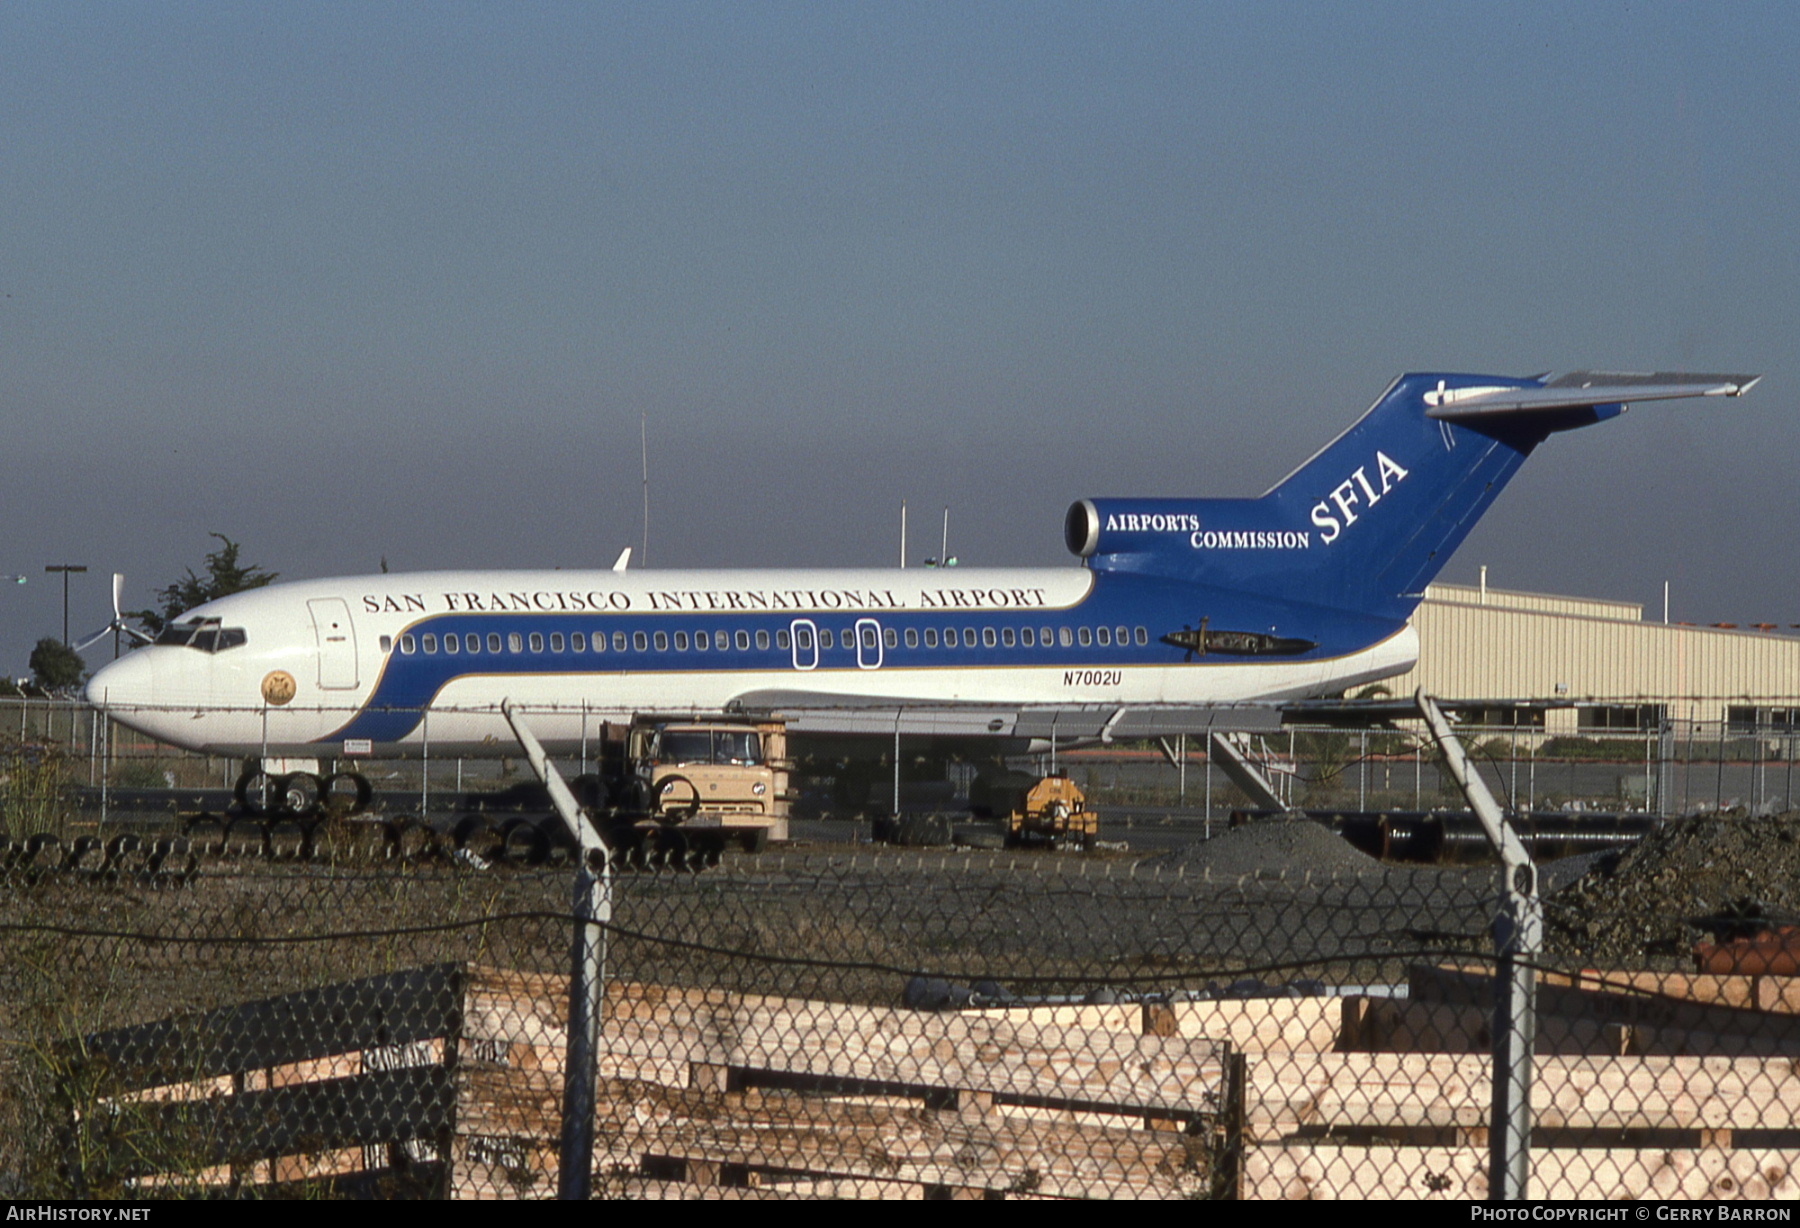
(678, 798)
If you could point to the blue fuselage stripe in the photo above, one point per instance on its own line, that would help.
(409, 682)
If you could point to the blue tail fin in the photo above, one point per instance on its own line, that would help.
(1367, 522)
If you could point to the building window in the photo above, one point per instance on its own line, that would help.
(1630, 718)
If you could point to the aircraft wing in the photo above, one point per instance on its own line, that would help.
(1583, 390)
(816, 712)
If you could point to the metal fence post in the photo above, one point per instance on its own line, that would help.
(592, 915)
(1518, 937)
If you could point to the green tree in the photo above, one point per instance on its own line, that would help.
(224, 575)
(55, 666)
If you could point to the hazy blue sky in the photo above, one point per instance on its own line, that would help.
(348, 281)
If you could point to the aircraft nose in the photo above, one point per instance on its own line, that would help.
(128, 682)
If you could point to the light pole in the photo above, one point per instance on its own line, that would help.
(65, 568)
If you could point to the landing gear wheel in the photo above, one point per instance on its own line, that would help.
(255, 790)
(298, 793)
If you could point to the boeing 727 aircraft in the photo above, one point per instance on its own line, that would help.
(1302, 592)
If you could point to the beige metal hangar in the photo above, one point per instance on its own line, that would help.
(1626, 673)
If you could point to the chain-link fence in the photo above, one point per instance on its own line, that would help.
(363, 1007)
(381, 1005)
(1701, 758)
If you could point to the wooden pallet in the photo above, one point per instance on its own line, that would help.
(448, 1081)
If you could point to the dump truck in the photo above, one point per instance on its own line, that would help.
(724, 774)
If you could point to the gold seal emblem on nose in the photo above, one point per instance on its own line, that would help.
(278, 687)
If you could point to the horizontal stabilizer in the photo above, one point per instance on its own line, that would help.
(1581, 390)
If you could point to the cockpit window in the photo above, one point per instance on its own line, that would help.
(204, 634)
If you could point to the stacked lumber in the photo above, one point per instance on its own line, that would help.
(710, 1094)
(1644, 1087)
(448, 1081)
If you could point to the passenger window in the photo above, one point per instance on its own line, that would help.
(987, 637)
(556, 641)
(721, 640)
(1086, 636)
(931, 640)
(1028, 637)
(537, 641)
(472, 643)
(408, 645)
(618, 641)
(429, 643)
(1065, 637)
(783, 640)
(806, 639)
(912, 637)
(889, 638)
(702, 641)
(681, 641)
(949, 637)
(743, 641)
(1143, 636)
(826, 640)
(762, 639)
(1105, 637)
(387, 643)
(1122, 635)
(452, 644)
(662, 641)
(640, 641)
(1045, 637)
(515, 642)
(1006, 637)
(969, 637)
(493, 641)
(578, 642)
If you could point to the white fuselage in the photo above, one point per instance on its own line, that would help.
(363, 665)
